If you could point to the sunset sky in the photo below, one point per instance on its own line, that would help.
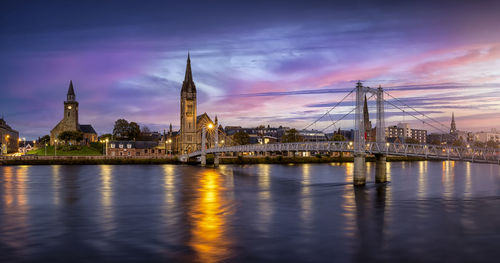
(280, 63)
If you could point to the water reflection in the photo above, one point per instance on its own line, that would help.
(106, 190)
(265, 209)
(16, 207)
(448, 179)
(209, 214)
(306, 202)
(56, 183)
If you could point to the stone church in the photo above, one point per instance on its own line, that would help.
(188, 139)
(70, 120)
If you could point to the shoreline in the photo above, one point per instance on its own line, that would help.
(97, 160)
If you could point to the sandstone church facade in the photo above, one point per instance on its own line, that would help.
(188, 139)
(70, 120)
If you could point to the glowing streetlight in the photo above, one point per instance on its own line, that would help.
(55, 147)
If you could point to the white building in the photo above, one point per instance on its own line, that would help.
(493, 135)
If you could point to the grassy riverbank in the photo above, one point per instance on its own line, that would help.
(70, 150)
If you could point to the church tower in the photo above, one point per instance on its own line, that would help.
(71, 108)
(188, 112)
(453, 128)
(70, 118)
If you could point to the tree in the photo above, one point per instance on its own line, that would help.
(108, 136)
(459, 142)
(120, 131)
(241, 138)
(491, 144)
(338, 137)
(133, 131)
(479, 144)
(45, 139)
(68, 136)
(292, 135)
(145, 129)
(124, 130)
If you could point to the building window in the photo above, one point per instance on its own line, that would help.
(112, 145)
(189, 138)
(128, 153)
(68, 113)
(152, 151)
(129, 146)
(121, 146)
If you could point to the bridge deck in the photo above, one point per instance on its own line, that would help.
(443, 152)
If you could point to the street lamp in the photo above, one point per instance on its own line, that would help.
(45, 149)
(169, 142)
(55, 147)
(107, 140)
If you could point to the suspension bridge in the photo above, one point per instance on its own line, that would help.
(359, 147)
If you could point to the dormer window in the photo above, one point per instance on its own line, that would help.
(129, 145)
(121, 146)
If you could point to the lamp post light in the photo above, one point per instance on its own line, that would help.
(55, 147)
(45, 149)
(169, 147)
(107, 140)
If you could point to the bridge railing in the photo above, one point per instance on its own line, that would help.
(446, 152)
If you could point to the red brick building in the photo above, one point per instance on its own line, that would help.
(135, 148)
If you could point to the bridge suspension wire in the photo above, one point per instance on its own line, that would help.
(421, 113)
(420, 119)
(345, 115)
(328, 112)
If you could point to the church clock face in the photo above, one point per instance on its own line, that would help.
(69, 107)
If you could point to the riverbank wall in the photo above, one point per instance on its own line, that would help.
(94, 160)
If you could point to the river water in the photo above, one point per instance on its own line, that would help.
(428, 212)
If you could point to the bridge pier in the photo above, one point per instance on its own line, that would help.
(216, 160)
(203, 159)
(380, 168)
(359, 173)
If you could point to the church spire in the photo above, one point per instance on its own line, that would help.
(71, 92)
(366, 116)
(188, 84)
(189, 74)
(453, 128)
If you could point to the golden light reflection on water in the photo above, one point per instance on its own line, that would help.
(468, 183)
(447, 179)
(209, 214)
(16, 207)
(306, 203)
(265, 209)
(56, 183)
(422, 182)
(106, 189)
(349, 202)
(169, 184)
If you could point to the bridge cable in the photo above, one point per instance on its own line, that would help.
(419, 112)
(328, 112)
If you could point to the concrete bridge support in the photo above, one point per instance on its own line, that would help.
(359, 174)
(203, 147)
(216, 159)
(380, 168)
